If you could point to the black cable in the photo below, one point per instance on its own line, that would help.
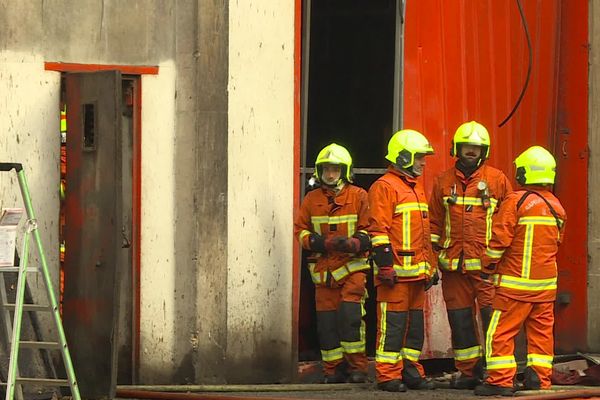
(524, 23)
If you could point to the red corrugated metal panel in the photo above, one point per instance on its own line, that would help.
(468, 59)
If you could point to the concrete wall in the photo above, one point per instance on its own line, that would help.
(594, 180)
(260, 171)
(217, 131)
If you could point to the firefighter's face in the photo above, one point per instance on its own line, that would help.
(331, 174)
(470, 153)
(419, 164)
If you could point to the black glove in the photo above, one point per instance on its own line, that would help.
(316, 243)
(383, 255)
(432, 281)
(484, 272)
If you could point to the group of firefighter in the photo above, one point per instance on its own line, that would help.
(494, 249)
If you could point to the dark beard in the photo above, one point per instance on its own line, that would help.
(467, 167)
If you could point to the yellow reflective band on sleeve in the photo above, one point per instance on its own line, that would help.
(537, 220)
(435, 238)
(468, 353)
(491, 253)
(445, 263)
(303, 233)
(504, 362)
(380, 240)
(353, 347)
(332, 355)
(408, 207)
(514, 282)
(472, 264)
(388, 357)
(540, 360)
(412, 270)
(410, 354)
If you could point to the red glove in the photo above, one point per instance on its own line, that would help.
(335, 243)
(387, 275)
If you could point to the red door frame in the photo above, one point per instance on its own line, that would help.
(137, 168)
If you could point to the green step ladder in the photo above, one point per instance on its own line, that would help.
(14, 381)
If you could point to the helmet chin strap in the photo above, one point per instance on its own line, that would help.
(336, 187)
(406, 171)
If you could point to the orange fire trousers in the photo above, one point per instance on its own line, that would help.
(340, 324)
(400, 329)
(507, 318)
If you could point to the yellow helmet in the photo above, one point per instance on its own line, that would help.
(403, 146)
(535, 166)
(334, 154)
(471, 133)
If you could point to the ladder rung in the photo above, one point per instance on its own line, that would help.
(44, 381)
(16, 269)
(28, 307)
(39, 345)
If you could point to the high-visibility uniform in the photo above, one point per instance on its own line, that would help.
(524, 245)
(339, 278)
(399, 217)
(461, 211)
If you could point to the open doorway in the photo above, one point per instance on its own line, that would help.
(351, 85)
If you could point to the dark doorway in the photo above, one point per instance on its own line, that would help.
(350, 91)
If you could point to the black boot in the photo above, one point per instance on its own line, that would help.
(357, 377)
(532, 380)
(464, 382)
(492, 390)
(339, 376)
(414, 380)
(392, 386)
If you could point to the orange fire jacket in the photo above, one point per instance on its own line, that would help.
(461, 214)
(524, 245)
(399, 216)
(328, 215)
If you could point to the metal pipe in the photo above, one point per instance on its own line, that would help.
(568, 394)
(245, 388)
(145, 394)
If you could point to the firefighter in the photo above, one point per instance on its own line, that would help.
(400, 236)
(332, 224)
(463, 201)
(521, 256)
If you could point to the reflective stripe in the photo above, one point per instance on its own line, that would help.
(406, 260)
(340, 273)
(489, 337)
(316, 276)
(409, 271)
(358, 264)
(537, 220)
(435, 238)
(470, 264)
(447, 226)
(383, 327)
(540, 360)
(494, 253)
(350, 219)
(380, 240)
(332, 355)
(354, 347)
(471, 201)
(303, 233)
(504, 362)
(388, 357)
(488, 220)
(527, 250)
(408, 207)
(468, 354)
(514, 282)
(410, 354)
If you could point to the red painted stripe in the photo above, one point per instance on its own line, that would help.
(137, 219)
(125, 69)
(296, 179)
